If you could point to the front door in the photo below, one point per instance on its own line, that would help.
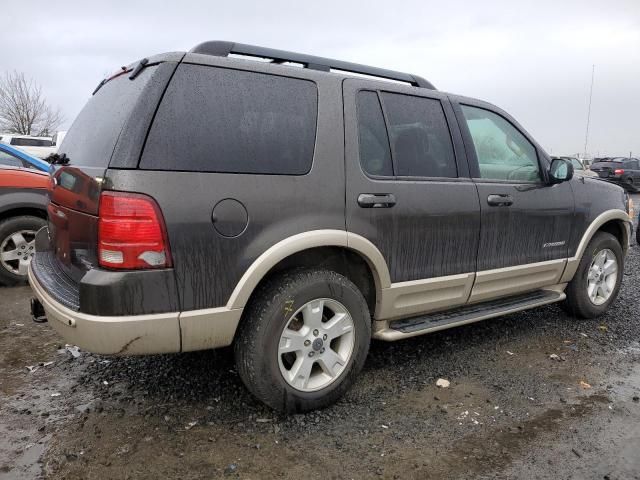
(526, 222)
(409, 193)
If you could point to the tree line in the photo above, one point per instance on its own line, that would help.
(23, 108)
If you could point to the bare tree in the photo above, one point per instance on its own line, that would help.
(23, 109)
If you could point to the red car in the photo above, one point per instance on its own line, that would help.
(23, 211)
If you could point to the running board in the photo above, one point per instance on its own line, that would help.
(411, 327)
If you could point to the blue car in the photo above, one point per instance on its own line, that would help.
(17, 158)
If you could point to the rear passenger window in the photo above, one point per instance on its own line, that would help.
(375, 156)
(221, 120)
(420, 138)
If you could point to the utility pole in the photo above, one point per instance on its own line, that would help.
(586, 135)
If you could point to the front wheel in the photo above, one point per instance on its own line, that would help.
(597, 281)
(303, 340)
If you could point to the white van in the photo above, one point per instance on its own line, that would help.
(40, 147)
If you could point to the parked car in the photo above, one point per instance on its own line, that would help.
(625, 171)
(295, 213)
(40, 147)
(578, 167)
(23, 211)
(13, 157)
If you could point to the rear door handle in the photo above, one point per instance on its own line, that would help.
(376, 200)
(499, 200)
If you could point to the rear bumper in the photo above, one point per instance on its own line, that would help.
(129, 335)
(140, 334)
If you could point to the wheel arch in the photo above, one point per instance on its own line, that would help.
(615, 222)
(337, 249)
(32, 211)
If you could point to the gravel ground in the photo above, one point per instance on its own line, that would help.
(511, 411)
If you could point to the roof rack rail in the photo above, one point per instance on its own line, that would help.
(224, 49)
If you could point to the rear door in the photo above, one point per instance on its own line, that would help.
(408, 189)
(526, 223)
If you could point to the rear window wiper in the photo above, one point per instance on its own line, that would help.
(122, 71)
(102, 82)
(138, 68)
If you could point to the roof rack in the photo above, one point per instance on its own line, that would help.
(224, 49)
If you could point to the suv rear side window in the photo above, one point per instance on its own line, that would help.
(232, 121)
(375, 156)
(420, 138)
(503, 152)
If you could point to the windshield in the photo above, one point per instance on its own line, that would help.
(577, 164)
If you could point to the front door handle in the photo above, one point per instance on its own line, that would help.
(499, 200)
(376, 200)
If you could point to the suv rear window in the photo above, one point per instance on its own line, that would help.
(230, 121)
(31, 142)
(92, 137)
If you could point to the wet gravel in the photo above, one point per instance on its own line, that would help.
(511, 410)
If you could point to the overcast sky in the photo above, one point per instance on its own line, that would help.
(531, 58)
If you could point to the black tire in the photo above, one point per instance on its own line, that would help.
(578, 303)
(638, 232)
(258, 336)
(7, 228)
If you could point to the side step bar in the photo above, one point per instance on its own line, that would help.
(412, 327)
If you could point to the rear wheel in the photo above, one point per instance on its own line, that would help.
(303, 340)
(596, 283)
(17, 247)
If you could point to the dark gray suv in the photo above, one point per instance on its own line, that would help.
(295, 211)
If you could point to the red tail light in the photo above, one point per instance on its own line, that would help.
(131, 232)
(618, 171)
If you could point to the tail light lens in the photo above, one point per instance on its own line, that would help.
(618, 171)
(131, 232)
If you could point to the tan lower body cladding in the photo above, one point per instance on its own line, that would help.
(404, 299)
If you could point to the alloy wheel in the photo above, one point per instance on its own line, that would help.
(316, 345)
(16, 251)
(602, 276)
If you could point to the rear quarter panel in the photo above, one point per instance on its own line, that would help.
(23, 189)
(207, 265)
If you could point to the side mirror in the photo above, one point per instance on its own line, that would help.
(560, 171)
